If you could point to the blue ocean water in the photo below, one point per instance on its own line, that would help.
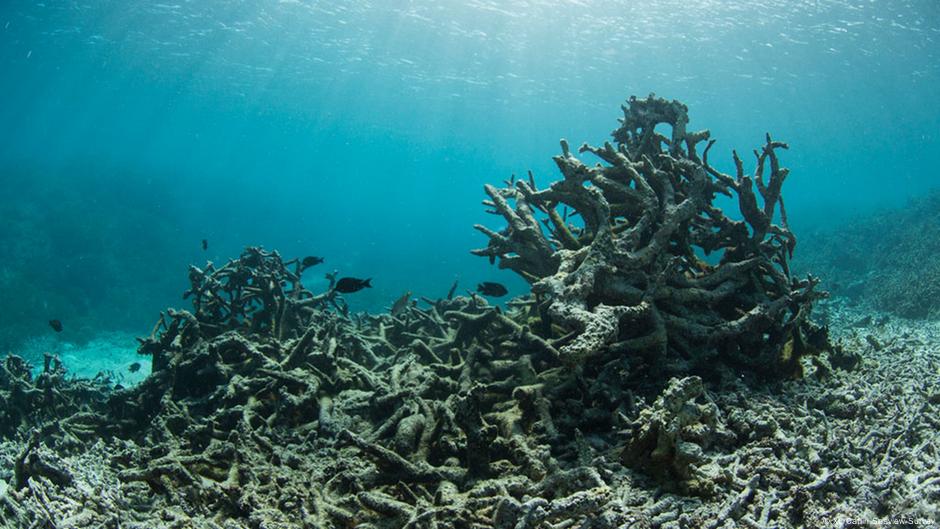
(363, 131)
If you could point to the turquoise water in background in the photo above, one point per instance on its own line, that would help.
(363, 132)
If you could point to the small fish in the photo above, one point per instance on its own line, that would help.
(205, 244)
(309, 261)
(401, 304)
(488, 288)
(135, 367)
(348, 285)
(56, 325)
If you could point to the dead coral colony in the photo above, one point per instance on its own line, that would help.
(629, 276)
(270, 406)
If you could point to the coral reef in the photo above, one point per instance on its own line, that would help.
(451, 415)
(629, 276)
(271, 407)
(890, 260)
(431, 416)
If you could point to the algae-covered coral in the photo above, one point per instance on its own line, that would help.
(270, 406)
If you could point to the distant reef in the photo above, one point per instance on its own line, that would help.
(889, 261)
(638, 386)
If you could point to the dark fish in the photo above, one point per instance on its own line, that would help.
(401, 304)
(307, 262)
(135, 367)
(488, 288)
(56, 325)
(348, 285)
(205, 245)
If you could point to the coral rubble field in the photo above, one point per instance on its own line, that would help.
(383, 433)
(890, 259)
(665, 371)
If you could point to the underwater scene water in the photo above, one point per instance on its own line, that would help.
(666, 339)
